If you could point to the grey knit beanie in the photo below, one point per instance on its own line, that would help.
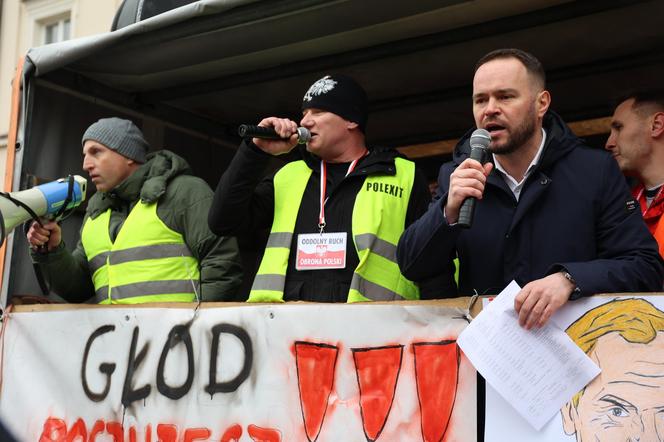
(119, 135)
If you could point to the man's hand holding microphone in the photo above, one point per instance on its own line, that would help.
(468, 180)
(46, 237)
(275, 136)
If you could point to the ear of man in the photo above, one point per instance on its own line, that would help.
(657, 126)
(543, 101)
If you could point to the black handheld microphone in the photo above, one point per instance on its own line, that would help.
(479, 145)
(268, 133)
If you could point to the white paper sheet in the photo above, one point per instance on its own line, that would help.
(536, 371)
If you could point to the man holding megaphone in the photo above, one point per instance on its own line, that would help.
(146, 220)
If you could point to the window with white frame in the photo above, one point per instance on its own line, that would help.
(56, 30)
(49, 21)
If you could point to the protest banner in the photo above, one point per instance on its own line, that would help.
(290, 372)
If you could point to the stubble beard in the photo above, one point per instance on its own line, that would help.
(518, 137)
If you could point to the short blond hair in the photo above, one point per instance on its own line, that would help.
(636, 320)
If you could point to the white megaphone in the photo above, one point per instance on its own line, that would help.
(51, 201)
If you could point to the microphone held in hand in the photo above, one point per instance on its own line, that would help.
(479, 145)
(268, 133)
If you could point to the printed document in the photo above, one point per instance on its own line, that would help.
(537, 371)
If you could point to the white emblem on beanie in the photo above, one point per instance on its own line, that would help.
(322, 86)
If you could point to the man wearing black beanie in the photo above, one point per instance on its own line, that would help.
(144, 238)
(335, 215)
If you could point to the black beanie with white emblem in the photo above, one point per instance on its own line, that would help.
(341, 95)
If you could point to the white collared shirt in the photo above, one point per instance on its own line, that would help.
(512, 183)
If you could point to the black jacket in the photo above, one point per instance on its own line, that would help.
(574, 212)
(244, 204)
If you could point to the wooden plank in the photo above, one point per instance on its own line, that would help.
(583, 128)
(428, 149)
(11, 146)
(595, 126)
(462, 302)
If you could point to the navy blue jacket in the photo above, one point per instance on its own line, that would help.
(574, 212)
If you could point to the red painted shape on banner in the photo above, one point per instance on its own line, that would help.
(97, 428)
(78, 432)
(192, 434)
(377, 372)
(54, 430)
(233, 434)
(315, 376)
(116, 431)
(133, 435)
(167, 433)
(436, 376)
(259, 434)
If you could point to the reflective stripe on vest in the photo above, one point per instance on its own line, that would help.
(148, 262)
(270, 280)
(379, 216)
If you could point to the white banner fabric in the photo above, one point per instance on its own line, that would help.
(293, 372)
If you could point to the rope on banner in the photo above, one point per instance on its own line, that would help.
(471, 303)
(4, 318)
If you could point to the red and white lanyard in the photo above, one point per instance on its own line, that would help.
(323, 188)
(638, 198)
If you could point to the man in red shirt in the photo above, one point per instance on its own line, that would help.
(637, 144)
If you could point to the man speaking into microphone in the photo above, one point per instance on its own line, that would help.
(336, 215)
(550, 212)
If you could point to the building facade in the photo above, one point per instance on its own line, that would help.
(29, 23)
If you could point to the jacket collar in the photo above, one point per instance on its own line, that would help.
(379, 159)
(148, 183)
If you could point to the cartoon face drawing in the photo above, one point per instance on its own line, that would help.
(626, 400)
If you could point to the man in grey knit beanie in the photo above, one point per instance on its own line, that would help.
(113, 149)
(144, 236)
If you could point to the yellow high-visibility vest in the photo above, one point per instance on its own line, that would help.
(379, 216)
(148, 262)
